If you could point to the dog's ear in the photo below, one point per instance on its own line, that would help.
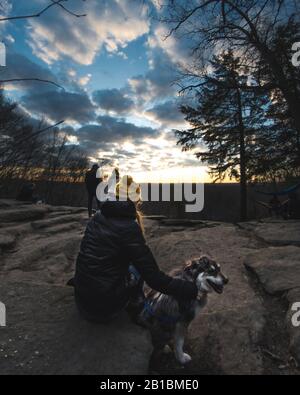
(209, 265)
(204, 262)
(191, 265)
(193, 268)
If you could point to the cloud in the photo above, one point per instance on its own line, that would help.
(112, 130)
(113, 100)
(84, 80)
(149, 97)
(109, 24)
(44, 99)
(58, 105)
(158, 81)
(167, 57)
(19, 66)
(5, 9)
(177, 49)
(132, 147)
(167, 113)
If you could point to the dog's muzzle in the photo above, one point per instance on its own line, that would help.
(218, 286)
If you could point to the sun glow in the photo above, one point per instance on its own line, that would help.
(174, 175)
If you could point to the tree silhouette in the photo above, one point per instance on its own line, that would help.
(52, 3)
(248, 28)
(36, 153)
(228, 117)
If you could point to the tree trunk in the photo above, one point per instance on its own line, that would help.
(243, 173)
(243, 183)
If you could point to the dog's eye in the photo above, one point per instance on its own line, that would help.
(215, 269)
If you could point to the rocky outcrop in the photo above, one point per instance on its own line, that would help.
(293, 297)
(278, 270)
(45, 334)
(275, 232)
(225, 338)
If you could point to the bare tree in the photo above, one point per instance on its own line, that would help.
(247, 27)
(28, 153)
(52, 3)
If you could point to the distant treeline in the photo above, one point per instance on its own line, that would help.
(221, 201)
(31, 151)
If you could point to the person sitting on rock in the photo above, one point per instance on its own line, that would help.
(112, 253)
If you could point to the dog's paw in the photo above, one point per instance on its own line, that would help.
(184, 359)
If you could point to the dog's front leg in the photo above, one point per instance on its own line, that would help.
(179, 336)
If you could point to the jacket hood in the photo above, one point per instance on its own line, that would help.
(119, 209)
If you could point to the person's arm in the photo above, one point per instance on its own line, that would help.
(142, 258)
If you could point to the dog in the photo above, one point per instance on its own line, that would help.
(168, 319)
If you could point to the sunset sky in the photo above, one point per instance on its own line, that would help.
(119, 99)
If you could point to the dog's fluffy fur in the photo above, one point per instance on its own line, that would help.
(168, 319)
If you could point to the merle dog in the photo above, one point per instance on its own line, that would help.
(168, 319)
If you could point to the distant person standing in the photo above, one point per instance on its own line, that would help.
(293, 206)
(91, 182)
(275, 206)
(28, 193)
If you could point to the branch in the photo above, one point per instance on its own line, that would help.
(186, 17)
(37, 15)
(66, 9)
(31, 79)
(41, 131)
(24, 139)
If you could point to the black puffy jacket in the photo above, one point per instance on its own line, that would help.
(113, 239)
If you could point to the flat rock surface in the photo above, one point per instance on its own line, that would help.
(236, 314)
(276, 232)
(44, 333)
(278, 268)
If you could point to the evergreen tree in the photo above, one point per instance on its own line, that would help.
(227, 120)
(280, 148)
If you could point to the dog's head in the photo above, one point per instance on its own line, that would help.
(207, 274)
